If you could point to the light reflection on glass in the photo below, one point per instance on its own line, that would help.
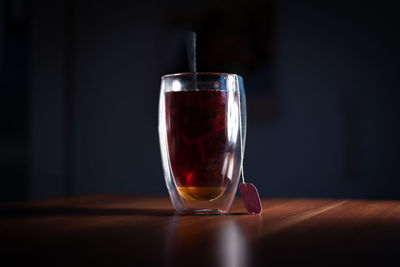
(232, 117)
(176, 86)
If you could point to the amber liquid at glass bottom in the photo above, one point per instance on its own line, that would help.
(198, 145)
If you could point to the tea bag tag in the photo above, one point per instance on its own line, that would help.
(251, 198)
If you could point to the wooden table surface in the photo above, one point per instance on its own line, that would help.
(121, 230)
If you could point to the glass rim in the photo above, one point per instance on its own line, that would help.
(199, 73)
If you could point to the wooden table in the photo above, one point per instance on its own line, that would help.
(113, 230)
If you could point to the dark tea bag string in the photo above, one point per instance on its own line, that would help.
(250, 196)
(191, 42)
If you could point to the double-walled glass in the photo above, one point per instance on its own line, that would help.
(202, 122)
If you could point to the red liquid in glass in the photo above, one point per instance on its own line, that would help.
(196, 124)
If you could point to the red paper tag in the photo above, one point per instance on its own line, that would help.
(250, 198)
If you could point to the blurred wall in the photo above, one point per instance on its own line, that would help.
(337, 130)
(93, 94)
(13, 101)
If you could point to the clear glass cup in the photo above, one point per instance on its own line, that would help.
(202, 131)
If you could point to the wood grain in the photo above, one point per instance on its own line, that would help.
(112, 230)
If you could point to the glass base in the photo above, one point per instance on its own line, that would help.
(201, 211)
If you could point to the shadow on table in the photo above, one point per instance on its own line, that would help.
(73, 211)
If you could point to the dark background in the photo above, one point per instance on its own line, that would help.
(80, 82)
